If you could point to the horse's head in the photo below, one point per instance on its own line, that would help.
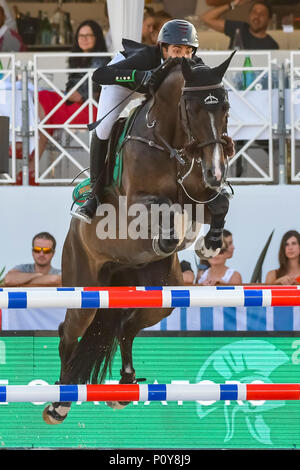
(204, 110)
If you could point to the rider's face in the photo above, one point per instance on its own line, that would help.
(178, 51)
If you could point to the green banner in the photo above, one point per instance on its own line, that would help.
(231, 425)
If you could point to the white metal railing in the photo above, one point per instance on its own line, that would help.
(10, 99)
(253, 113)
(53, 78)
(293, 107)
(253, 123)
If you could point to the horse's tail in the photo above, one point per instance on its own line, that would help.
(93, 356)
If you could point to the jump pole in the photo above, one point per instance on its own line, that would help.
(150, 392)
(147, 288)
(194, 296)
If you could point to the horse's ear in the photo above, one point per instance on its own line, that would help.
(221, 69)
(186, 69)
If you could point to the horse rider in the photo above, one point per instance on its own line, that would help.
(135, 68)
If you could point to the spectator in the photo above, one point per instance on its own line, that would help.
(148, 26)
(10, 40)
(289, 261)
(218, 272)
(253, 34)
(40, 272)
(88, 38)
(187, 272)
(161, 17)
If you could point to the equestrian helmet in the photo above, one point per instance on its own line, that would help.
(179, 32)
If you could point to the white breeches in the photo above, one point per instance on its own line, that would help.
(110, 96)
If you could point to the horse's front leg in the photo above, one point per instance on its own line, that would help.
(211, 244)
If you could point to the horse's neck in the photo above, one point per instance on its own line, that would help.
(166, 108)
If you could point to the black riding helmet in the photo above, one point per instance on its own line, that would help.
(179, 32)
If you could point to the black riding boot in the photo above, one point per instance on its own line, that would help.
(98, 151)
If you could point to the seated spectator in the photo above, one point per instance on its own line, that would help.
(40, 272)
(10, 40)
(161, 17)
(148, 26)
(289, 261)
(88, 38)
(253, 34)
(187, 272)
(218, 272)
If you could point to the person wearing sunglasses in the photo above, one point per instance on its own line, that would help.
(41, 272)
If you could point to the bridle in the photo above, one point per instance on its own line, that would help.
(179, 154)
(192, 139)
(184, 114)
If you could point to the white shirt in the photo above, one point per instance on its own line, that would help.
(225, 279)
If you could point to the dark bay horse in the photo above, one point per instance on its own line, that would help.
(173, 156)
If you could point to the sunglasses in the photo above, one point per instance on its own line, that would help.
(38, 249)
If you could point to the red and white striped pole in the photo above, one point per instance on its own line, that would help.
(150, 392)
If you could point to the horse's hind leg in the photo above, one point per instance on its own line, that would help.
(164, 272)
(74, 325)
(132, 325)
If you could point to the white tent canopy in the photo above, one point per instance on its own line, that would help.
(126, 19)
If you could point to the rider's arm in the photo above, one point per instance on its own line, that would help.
(142, 60)
(142, 76)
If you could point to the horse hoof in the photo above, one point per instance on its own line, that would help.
(203, 252)
(48, 418)
(51, 416)
(117, 405)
